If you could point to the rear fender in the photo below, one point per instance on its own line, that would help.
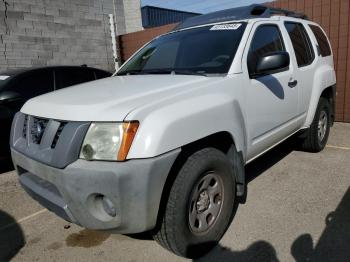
(324, 77)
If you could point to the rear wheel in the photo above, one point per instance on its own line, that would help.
(200, 205)
(317, 135)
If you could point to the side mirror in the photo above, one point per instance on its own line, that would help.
(271, 63)
(9, 96)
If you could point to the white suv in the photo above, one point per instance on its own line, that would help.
(161, 146)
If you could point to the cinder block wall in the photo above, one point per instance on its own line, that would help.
(59, 32)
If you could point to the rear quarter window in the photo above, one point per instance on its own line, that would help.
(322, 41)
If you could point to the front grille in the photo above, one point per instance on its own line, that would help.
(24, 131)
(48, 141)
(58, 134)
(37, 129)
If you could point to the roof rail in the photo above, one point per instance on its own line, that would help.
(277, 11)
(240, 13)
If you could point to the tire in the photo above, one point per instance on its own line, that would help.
(317, 135)
(195, 218)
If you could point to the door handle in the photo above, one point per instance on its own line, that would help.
(292, 84)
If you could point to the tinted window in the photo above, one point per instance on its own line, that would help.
(322, 41)
(267, 39)
(301, 43)
(208, 49)
(101, 74)
(72, 76)
(34, 83)
(4, 79)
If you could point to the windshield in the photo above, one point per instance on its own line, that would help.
(201, 51)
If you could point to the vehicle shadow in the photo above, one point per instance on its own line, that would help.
(334, 243)
(6, 165)
(266, 161)
(273, 84)
(269, 159)
(11, 237)
(260, 251)
(5, 158)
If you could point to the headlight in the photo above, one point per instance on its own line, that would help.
(108, 141)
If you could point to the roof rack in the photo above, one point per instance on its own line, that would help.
(240, 13)
(278, 11)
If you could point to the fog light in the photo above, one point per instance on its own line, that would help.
(102, 208)
(108, 206)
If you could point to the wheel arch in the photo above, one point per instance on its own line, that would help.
(226, 145)
(329, 93)
(324, 86)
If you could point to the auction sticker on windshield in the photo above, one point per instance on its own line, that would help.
(225, 27)
(3, 77)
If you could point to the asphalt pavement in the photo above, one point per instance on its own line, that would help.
(297, 209)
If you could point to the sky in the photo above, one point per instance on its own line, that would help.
(200, 6)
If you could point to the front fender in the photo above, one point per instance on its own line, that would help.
(170, 125)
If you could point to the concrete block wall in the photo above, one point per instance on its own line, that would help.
(65, 32)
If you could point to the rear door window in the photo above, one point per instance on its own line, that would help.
(322, 41)
(301, 43)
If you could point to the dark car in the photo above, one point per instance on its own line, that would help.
(16, 87)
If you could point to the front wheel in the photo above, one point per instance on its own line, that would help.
(317, 135)
(200, 205)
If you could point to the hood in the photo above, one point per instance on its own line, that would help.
(109, 99)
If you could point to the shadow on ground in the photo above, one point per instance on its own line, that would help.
(11, 237)
(268, 160)
(260, 251)
(6, 165)
(5, 158)
(333, 245)
(5, 155)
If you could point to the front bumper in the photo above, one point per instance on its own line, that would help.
(134, 187)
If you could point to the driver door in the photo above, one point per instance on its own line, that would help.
(271, 99)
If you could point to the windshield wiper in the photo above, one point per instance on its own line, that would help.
(188, 72)
(129, 72)
(162, 71)
(145, 72)
(158, 71)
